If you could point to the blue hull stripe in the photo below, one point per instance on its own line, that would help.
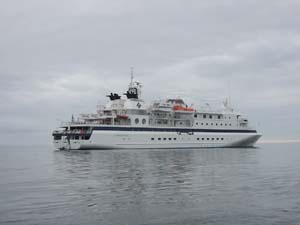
(182, 130)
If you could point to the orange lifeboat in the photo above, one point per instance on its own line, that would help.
(182, 108)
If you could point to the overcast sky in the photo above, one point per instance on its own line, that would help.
(59, 58)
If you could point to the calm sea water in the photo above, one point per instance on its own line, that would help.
(39, 185)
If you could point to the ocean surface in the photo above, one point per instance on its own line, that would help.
(238, 186)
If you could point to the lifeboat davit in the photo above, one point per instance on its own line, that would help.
(182, 108)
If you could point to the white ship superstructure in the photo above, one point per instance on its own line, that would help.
(129, 123)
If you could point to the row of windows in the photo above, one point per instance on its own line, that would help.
(198, 139)
(58, 137)
(210, 116)
(137, 121)
(221, 124)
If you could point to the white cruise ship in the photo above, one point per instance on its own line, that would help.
(129, 123)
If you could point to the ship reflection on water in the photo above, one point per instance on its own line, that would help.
(152, 186)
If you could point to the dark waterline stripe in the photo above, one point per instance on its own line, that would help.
(182, 130)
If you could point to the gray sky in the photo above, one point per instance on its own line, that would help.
(59, 58)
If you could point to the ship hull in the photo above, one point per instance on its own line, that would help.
(106, 139)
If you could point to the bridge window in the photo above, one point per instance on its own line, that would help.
(204, 116)
(195, 115)
(210, 116)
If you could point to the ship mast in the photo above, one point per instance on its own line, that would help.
(131, 68)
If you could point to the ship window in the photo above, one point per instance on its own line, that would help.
(201, 123)
(210, 116)
(207, 139)
(143, 121)
(230, 124)
(57, 137)
(216, 124)
(212, 124)
(204, 116)
(225, 124)
(165, 139)
(195, 115)
(174, 139)
(198, 139)
(202, 139)
(229, 117)
(222, 139)
(136, 120)
(86, 137)
(217, 139)
(221, 124)
(152, 139)
(219, 117)
(213, 139)
(196, 123)
(170, 139)
(206, 124)
(159, 139)
(76, 137)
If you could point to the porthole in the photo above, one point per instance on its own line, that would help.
(207, 139)
(210, 116)
(159, 139)
(202, 139)
(213, 139)
(174, 139)
(136, 120)
(165, 139)
(198, 139)
(143, 121)
(152, 139)
(170, 139)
